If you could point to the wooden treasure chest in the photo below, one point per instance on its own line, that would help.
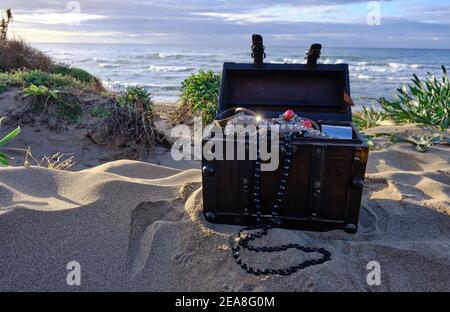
(319, 182)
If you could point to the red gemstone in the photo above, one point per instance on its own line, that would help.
(307, 123)
(288, 115)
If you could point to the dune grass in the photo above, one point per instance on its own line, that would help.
(25, 78)
(58, 161)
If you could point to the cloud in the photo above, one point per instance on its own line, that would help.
(333, 22)
(285, 13)
(239, 17)
(56, 18)
(434, 15)
(36, 35)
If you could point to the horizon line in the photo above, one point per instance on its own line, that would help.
(235, 45)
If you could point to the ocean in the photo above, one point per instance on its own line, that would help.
(374, 72)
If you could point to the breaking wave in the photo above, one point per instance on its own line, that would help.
(107, 65)
(119, 85)
(402, 66)
(155, 68)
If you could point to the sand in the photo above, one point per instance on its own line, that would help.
(135, 226)
(48, 138)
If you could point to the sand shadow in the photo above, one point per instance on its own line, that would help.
(28, 188)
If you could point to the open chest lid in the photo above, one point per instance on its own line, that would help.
(317, 91)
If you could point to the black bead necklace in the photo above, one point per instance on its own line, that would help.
(241, 241)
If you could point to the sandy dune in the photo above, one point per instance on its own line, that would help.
(137, 226)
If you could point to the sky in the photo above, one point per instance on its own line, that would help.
(344, 23)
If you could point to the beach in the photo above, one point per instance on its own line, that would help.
(89, 187)
(135, 226)
(76, 139)
(210, 154)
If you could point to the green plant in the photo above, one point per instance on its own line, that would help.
(200, 93)
(423, 143)
(369, 138)
(137, 97)
(58, 81)
(4, 160)
(77, 73)
(69, 107)
(40, 91)
(40, 78)
(7, 79)
(65, 104)
(37, 77)
(368, 118)
(424, 102)
(40, 96)
(99, 111)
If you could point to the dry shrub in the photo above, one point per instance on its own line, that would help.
(16, 54)
(184, 114)
(58, 161)
(134, 129)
